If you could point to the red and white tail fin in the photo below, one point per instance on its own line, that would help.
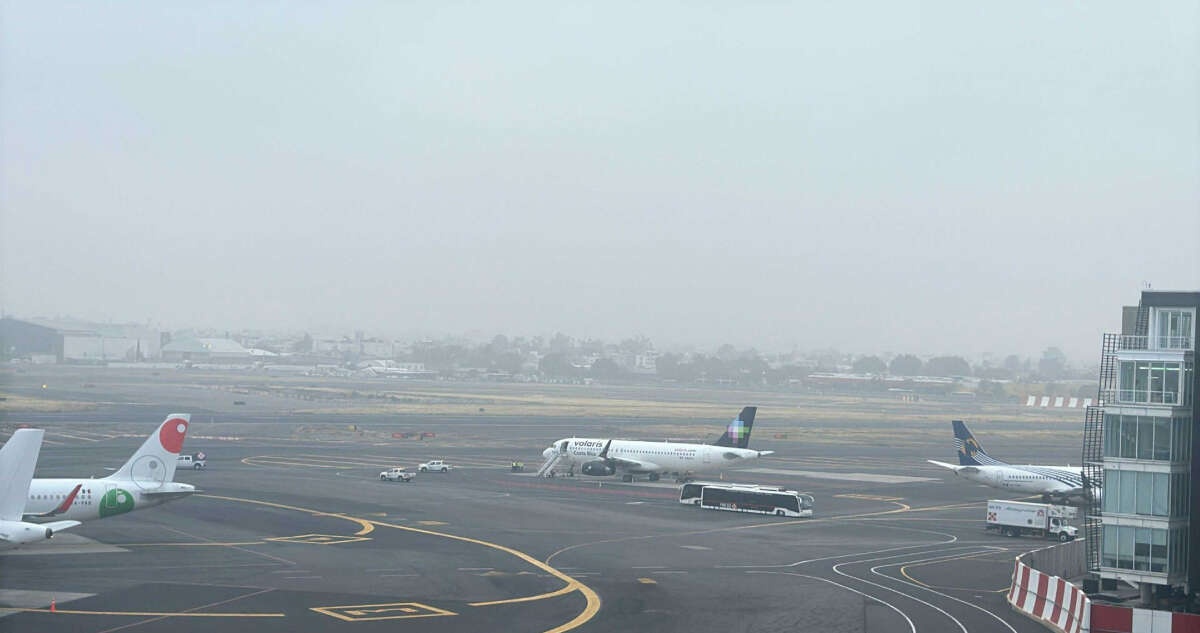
(154, 463)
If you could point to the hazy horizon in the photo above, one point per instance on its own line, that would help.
(936, 178)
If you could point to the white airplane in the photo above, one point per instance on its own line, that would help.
(18, 458)
(146, 480)
(606, 457)
(1062, 483)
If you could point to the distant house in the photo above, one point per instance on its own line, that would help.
(205, 349)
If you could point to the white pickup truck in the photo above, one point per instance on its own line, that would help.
(195, 462)
(434, 466)
(396, 474)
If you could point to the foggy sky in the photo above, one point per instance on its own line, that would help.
(937, 177)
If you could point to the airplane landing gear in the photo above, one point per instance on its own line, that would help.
(654, 477)
(627, 478)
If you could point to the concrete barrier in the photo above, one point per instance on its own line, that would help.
(1056, 603)
(1106, 618)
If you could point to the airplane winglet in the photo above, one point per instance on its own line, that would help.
(604, 452)
(765, 453)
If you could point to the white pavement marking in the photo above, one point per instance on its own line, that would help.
(697, 547)
(912, 627)
(865, 477)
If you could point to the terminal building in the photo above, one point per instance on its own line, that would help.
(1138, 446)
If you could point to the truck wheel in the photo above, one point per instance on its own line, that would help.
(1063, 538)
(197, 467)
(424, 470)
(382, 478)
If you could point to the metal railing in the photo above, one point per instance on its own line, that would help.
(1140, 396)
(1136, 342)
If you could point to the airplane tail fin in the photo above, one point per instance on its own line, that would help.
(737, 434)
(18, 458)
(154, 463)
(970, 451)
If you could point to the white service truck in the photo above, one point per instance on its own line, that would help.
(1017, 518)
(434, 466)
(195, 462)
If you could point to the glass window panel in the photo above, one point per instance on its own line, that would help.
(1141, 549)
(1125, 500)
(1158, 550)
(1128, 436)
(1145, 440)
(1162, 438)
(1125, 549)
(1171, 382)
(1161, 496)
(1126, 383)
(1110, 546)
(1112, 483)
(1141, 380)
(1145, 492)
(1112, 435)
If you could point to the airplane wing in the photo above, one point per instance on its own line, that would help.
(626, 464)
(167, 495)
(955, 468)
(62, 507)
(633, 465)
(59, 526)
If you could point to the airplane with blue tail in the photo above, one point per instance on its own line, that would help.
(1062, 484)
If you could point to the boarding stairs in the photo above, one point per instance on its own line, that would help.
(554, 463)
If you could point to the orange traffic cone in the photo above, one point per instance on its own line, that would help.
(51, 605)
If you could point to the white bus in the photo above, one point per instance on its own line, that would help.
(747, 498)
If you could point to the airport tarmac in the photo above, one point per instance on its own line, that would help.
(300, 535)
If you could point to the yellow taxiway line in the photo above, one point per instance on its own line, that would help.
(590, 596)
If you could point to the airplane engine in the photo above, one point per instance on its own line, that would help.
(20, 533)
(599, 468)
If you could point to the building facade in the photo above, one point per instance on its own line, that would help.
(1138, 448)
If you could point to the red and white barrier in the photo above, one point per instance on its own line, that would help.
(1061, 606)
(1107, 618)
(1050, 600)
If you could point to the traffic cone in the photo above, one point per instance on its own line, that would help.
(52, 604)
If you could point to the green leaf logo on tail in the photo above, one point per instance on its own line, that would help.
(115, 501)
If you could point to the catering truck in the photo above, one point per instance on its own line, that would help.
(1017, 518)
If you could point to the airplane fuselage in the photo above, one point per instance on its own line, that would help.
(99, 498)
(1042, 480)
(653, 457)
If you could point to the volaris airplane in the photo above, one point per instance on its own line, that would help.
(607, 457)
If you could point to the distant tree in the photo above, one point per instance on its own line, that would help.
(555, 364)
(499, 344)
(869, 365)
(1053, 364)
(561, 343)
(606, 369)
(994, 373)
(1012, 363)
(304, 345)
(991, 389)
(905, 365)
(948, 366)
(727, 352)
